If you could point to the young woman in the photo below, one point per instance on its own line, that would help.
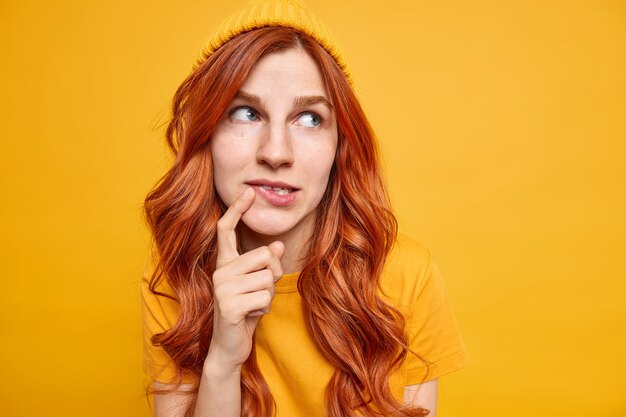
(278, 284)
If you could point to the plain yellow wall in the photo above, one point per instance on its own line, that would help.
(503, 129)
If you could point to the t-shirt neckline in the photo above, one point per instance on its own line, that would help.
(287, 283)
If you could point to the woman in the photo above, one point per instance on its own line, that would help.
(278, 285)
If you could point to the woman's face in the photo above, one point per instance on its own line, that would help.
(279, 136)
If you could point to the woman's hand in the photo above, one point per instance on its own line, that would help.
(243, 289)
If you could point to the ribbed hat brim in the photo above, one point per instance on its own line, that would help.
(285, 13)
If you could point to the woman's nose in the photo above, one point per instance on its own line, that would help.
(275, 147)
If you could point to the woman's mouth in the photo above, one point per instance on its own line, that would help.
(278, 190)
(278, 194)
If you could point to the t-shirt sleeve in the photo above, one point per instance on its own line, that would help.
(159, 314)
(433, 331)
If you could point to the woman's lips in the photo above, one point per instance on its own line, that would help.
(278, 194)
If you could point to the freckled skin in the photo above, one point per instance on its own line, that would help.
(279, 145)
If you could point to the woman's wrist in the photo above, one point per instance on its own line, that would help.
(219, 394)
(215, 367)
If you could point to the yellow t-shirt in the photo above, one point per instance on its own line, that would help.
(293, 367)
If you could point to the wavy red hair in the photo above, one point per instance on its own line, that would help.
(363, 337)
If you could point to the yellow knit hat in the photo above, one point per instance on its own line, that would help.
(285, 13)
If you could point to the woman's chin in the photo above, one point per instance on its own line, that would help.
(267, 226)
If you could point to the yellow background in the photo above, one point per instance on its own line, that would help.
(503, 128)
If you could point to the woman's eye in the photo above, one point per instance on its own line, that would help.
(310, 120)
(244, 114)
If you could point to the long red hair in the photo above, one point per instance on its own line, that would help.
(363, 337)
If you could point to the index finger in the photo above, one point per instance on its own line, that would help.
(226, 237)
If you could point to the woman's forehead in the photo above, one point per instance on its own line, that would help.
(291, 72)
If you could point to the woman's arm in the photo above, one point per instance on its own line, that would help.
(219, 394)
(423, 395)
(243, 287)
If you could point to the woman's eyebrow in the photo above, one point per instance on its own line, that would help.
(297, 102)
(249, 97)
(307, 100)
